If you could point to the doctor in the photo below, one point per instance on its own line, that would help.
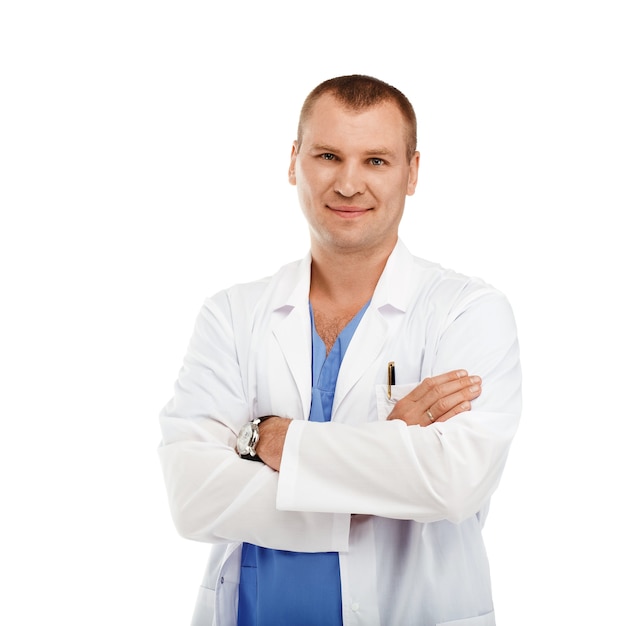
(337, 430)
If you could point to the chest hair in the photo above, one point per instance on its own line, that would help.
(329, 327)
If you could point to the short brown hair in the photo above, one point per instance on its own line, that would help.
(359, 92)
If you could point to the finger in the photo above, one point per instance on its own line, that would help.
(440, 394)
(436, 397)
(459, 408)
(428, 385)
(443, 408)
(451, 399)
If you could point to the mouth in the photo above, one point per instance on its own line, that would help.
(348, 211)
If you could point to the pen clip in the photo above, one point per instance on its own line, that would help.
(391, 377)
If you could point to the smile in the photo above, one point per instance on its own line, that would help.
(348, 212)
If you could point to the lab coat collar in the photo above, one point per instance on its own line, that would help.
(392, 289)
(294, 285)
(393, 286)
(292, 326)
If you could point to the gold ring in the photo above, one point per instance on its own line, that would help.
(430, 416)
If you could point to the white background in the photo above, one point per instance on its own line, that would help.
(143, 157)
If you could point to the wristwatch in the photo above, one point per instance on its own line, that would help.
(248, 438)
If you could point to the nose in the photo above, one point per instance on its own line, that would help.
(349, 180)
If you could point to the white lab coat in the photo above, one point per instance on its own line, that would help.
(403, 506)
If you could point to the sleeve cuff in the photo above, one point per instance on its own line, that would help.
(288, 487)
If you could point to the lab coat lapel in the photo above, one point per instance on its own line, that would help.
(365, 347)
(293, 334)
(291, 327)
(388, 301)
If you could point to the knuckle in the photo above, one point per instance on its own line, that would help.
(436, 390)
(468, 394)
(463, 406)
(429, 384)
(445, 404)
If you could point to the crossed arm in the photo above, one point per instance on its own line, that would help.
(435, 399)
(446, 471)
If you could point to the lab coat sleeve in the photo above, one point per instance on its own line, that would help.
(444, 471)
(214, 495)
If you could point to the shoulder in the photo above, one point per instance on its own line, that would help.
(245, 299)
(445, 292)
(430, 280)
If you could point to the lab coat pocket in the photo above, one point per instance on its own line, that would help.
(385, 404)
(489, 619)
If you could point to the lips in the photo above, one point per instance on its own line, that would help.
(348, 211)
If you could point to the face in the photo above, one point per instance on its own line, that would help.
(352, 175)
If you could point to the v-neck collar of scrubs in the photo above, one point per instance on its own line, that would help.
(325, 368)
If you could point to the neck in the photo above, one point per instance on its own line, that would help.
(345, 280)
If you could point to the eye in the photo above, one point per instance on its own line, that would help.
(327, 156)
(376, 161)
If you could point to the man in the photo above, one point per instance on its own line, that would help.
(350, 375)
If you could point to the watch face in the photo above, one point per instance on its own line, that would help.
(244, 438)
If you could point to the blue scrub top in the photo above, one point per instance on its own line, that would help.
(281, 588)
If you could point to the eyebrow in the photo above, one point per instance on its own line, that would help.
(371, 152)
(380, 151)
(322, 147)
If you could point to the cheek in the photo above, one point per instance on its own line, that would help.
(304, 197)
(312, 184)
(403, 187)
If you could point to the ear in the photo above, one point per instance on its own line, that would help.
(413, 168)
(292, 164)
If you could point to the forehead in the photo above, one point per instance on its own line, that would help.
(331, 121)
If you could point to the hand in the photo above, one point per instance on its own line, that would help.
(437, 399)
(272, 434)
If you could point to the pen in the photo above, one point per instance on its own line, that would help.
(391, 377)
